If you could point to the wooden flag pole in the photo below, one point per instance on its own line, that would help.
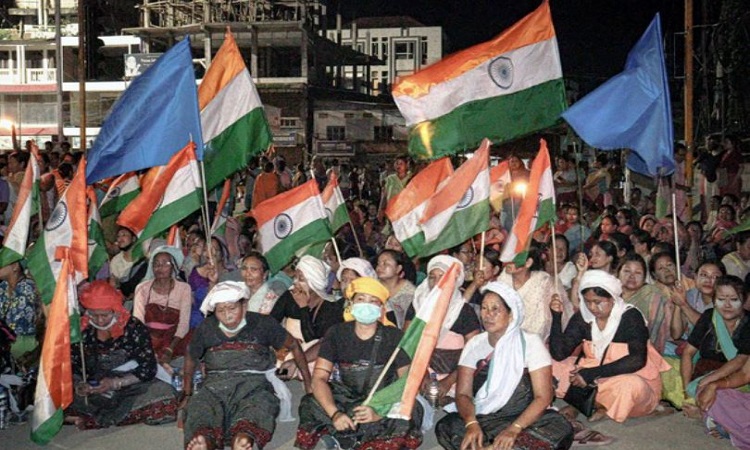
(204, 210)
(83, 369)
(481, 251)
(676, 240)
(356, 238)
(381, 376)
(336, 249)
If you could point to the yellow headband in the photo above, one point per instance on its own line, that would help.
(367, 285)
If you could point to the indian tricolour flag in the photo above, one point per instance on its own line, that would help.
(335, 206)
(168, 194)
(67, 226)
(501, 89)
(122, 190)
(54, 387)
(219, 225)
(96, 243)
(290, 221)
(232, 117)
(461, 208)
(499, 182)
(397, 399)
(27, 204)
(405, 209)
(537, 208)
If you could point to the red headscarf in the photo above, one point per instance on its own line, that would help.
(101, 295)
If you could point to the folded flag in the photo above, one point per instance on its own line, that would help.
(121, 191)
(632, 109)
(397, 399)
(405, 209)
(155, 117)
(219, 225)
(461, 208)
(27, 205)
(335, 206)
(501, 89)
(96, 243)
(290, 221)
(537, 209)
(232, 116)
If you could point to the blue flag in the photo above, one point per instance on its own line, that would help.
(155, 117)
(632, 109)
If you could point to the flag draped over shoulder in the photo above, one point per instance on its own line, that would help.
(27, 204)
(168, 194)
(234, 122)
(501, 89)
(121, 191)
(537, 208)
(405, 209)
(67, 226)
(632, 110)
(334, 204)
(499, 181)
(54, 387)
(155, 117)
(397, 399)
(461, 208)
(290, 221)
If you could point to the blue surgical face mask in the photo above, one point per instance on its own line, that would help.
(366, 313)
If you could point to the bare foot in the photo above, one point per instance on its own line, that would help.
(569, 413)
(75, 420)
(691, 411)
(598, 415)
(197, 443)
(242, 441)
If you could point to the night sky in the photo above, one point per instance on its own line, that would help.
(594, 36)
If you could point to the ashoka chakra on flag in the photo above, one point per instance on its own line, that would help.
(501, 72)
(283, 226)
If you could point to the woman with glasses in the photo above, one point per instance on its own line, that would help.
(120, 366)
(162, 303)
(241, 397)
(352, 358)
(617, 354)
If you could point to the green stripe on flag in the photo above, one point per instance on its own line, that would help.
(499, 119)
(8, 256)
(283, 252)
(167, 215)
(340, 217)
(463, 225)
(118, 203)
(48, 429)
(41, 270)
(413, 245)
(232, 149)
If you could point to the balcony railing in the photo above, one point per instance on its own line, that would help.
(33, 76)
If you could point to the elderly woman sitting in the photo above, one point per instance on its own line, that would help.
(617, 354)
(240, 396)
(120, 388)
(360, 350)
(504, 384)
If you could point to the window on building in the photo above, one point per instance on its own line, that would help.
(423, 50)
(335, 133)
(374, 46)
(348, 115)
(289, 122)
(404, 50)
(322, 115)
(384, 49)
(383, 133)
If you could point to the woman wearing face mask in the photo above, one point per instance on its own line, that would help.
(162, 303)
(461, 324)
(501, 407)
(241, 397)
(120, 366)
(360, 351)
(716, 338)
(618, 356)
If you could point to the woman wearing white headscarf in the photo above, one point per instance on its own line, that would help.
(618, 356)
(460, 325)
(241, 397)
(307, 310)
(504, 384)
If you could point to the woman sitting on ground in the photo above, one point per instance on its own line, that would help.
(509, 405)
(163, 303)
(712, 350)
(460, 325)
(618, 356)
(349, 270)
(240, 397)
(264, 293)
(391, 270)
(120, 388)
(216, 267)
(20, 307)
(357, 352)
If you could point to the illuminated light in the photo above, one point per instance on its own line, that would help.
(520, 188)
(7, 124)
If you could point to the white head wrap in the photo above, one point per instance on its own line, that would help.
(443, 262)
(224, 292)
(316, 273)
(172, 251)
(601, 279)
(359, 265)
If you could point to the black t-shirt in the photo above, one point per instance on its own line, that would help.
(467, 321)
(314, 324)
(260, 330)
(342, 345)
(703, 337)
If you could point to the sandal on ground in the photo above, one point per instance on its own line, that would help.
(598, 415)
(592, 438)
